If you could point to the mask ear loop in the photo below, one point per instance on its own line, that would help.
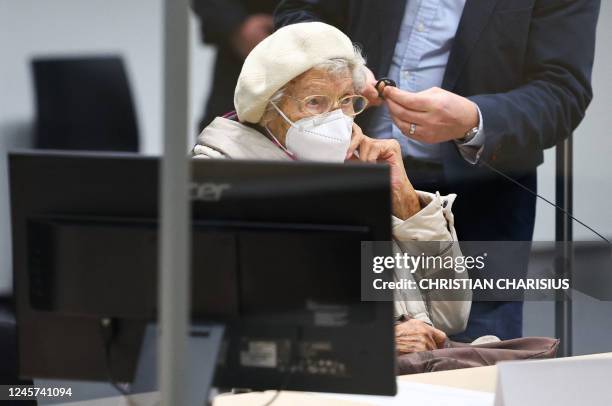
(279, 111)
(278, 144)
(274, 139)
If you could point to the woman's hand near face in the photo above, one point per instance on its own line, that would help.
(415, 336)
(404, 198)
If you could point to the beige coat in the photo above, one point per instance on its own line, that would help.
(225, 138)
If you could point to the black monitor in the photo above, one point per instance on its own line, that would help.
(275, 257)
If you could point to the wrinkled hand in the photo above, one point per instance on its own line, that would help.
(415, 336)
(370, 91)
(252, 31)
(404, 198)
(439, 114)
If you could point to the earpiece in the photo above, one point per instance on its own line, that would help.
(382, 83)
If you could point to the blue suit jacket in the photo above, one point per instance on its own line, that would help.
(526, 63)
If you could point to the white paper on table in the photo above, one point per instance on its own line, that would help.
(410, 393)
(559, 382)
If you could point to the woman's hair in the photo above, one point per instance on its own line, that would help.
(334, 66)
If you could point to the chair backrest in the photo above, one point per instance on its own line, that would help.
(84, 104)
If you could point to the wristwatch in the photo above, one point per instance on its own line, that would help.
(469, 136)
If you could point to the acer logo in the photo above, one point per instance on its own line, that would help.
(208, 192)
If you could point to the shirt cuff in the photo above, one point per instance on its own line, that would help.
(472, 150)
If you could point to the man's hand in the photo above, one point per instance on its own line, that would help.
(252, 31)
(439, 115)
(370, 91)
(404, 198)
(415, 336)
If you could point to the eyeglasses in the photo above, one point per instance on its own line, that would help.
(320, 104)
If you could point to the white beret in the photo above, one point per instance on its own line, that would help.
(284, 55)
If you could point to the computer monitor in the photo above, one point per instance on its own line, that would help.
(275, 256)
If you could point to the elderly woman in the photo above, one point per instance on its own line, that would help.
(296, 98)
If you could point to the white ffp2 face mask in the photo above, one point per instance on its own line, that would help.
(325, 137)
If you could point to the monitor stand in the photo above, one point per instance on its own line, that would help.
(203, 345)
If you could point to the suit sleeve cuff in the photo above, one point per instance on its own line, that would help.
(471, 150)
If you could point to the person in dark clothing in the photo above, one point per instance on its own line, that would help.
(234, 27)
(482, 86)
